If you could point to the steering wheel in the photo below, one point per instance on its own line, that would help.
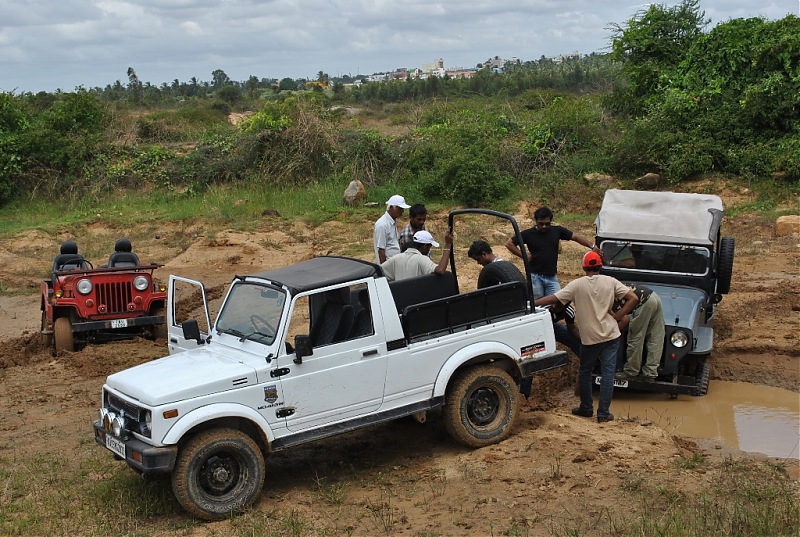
(259, 323)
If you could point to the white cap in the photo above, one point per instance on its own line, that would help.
(398, 201)
(424, 237)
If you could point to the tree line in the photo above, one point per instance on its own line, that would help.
(671, 97)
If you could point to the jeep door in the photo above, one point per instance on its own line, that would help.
(186, 300)
(341, 379)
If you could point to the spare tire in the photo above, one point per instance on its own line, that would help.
(499, 272)
(725, 265)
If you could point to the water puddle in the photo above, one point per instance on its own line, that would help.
(745, 416)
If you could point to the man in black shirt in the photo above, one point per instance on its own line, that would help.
(542, 242)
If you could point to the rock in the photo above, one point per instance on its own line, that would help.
(601, 181)
(270, 212)
(787, 225)
(355, 194)
(648, 181)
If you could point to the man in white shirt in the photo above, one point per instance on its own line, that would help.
(384, 235)
(415, 261)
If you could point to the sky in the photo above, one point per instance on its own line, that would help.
(47, 45)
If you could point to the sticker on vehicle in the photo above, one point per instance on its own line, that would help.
(529, 350)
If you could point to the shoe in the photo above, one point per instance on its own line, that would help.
(646, 379)
(578, 411)
(621, 375)
(607, 417)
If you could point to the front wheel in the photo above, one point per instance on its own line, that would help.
(702, 378)
(160, 330)
(62, 332)
(481, 406)
(218, 472)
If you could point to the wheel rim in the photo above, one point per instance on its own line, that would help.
(483, 406)
(220, 474)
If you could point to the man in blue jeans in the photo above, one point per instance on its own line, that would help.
(594, 295)
(542, 242)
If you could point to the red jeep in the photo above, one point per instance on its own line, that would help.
(83, 304)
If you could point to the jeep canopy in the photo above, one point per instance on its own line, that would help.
(321, 272)
(671, 217)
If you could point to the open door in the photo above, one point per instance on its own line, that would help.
(186, 301)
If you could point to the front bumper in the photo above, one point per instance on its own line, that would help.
(113, 324)
(142, 457)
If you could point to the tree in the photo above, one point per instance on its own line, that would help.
(134, 87)
(652, 46)
(219, 78)
(287, 84)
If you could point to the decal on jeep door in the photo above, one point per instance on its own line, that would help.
(270, 393)
(529, 350)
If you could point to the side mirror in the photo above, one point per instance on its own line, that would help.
(302, 347)
(191, 330)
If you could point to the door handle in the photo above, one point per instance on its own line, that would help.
(369, 352)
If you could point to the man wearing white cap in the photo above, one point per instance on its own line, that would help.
(384, 235)
(415, 261)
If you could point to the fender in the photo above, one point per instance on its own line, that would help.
(214, 411)
(466, 354)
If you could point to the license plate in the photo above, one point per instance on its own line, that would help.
(119, 323)
(617, 383)
(115, 445)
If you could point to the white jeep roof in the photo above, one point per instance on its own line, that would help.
(670, 217)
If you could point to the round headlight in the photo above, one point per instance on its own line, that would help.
(679, 339)
(140, 283)
(102, 415)
(117, 425)
(84, 286)
(107, 419)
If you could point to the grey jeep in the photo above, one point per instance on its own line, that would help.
(670, 242)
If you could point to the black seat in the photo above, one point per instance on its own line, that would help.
(334, 320)
(362, 325)
(123, 259)
(68, 257)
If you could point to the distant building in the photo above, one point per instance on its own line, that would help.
(564, 57)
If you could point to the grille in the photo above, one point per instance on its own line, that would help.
(116, 296)
(119, 406)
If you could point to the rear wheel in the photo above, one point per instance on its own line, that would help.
(218, 472)
(62, 332)
(47, 334)
(481, 406)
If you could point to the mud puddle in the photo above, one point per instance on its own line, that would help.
(749, 417)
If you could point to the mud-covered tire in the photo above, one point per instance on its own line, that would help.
(47, 335)
(499, 272)
(702, 379)
(481, 406)
(218, 472)
(160, 330)
(63, 336)
(725, 265)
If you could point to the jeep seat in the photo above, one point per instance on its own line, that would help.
(335, 319)
(123, 259)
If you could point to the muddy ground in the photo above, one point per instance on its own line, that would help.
(556, 471)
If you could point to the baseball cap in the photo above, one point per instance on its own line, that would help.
(592, 260)
(424, 237)
(398, 201)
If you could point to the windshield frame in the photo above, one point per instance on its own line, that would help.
(253, 311)
(677, 259)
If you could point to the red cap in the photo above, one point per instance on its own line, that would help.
(592, 260)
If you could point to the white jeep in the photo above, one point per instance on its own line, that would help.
(312, 350)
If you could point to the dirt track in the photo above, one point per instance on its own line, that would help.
(407, 475)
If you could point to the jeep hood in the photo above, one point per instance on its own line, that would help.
(182, 376)
(682, 305)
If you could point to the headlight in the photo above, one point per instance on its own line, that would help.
(117, 426)
(679, 339)
(140, 283)
(84, 286)
(146, 426)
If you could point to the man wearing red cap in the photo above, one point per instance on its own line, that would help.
(593, 296)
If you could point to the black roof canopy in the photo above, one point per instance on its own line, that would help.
(321, 272)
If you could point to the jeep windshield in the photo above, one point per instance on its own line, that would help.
(653, 257)
(252, 312)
